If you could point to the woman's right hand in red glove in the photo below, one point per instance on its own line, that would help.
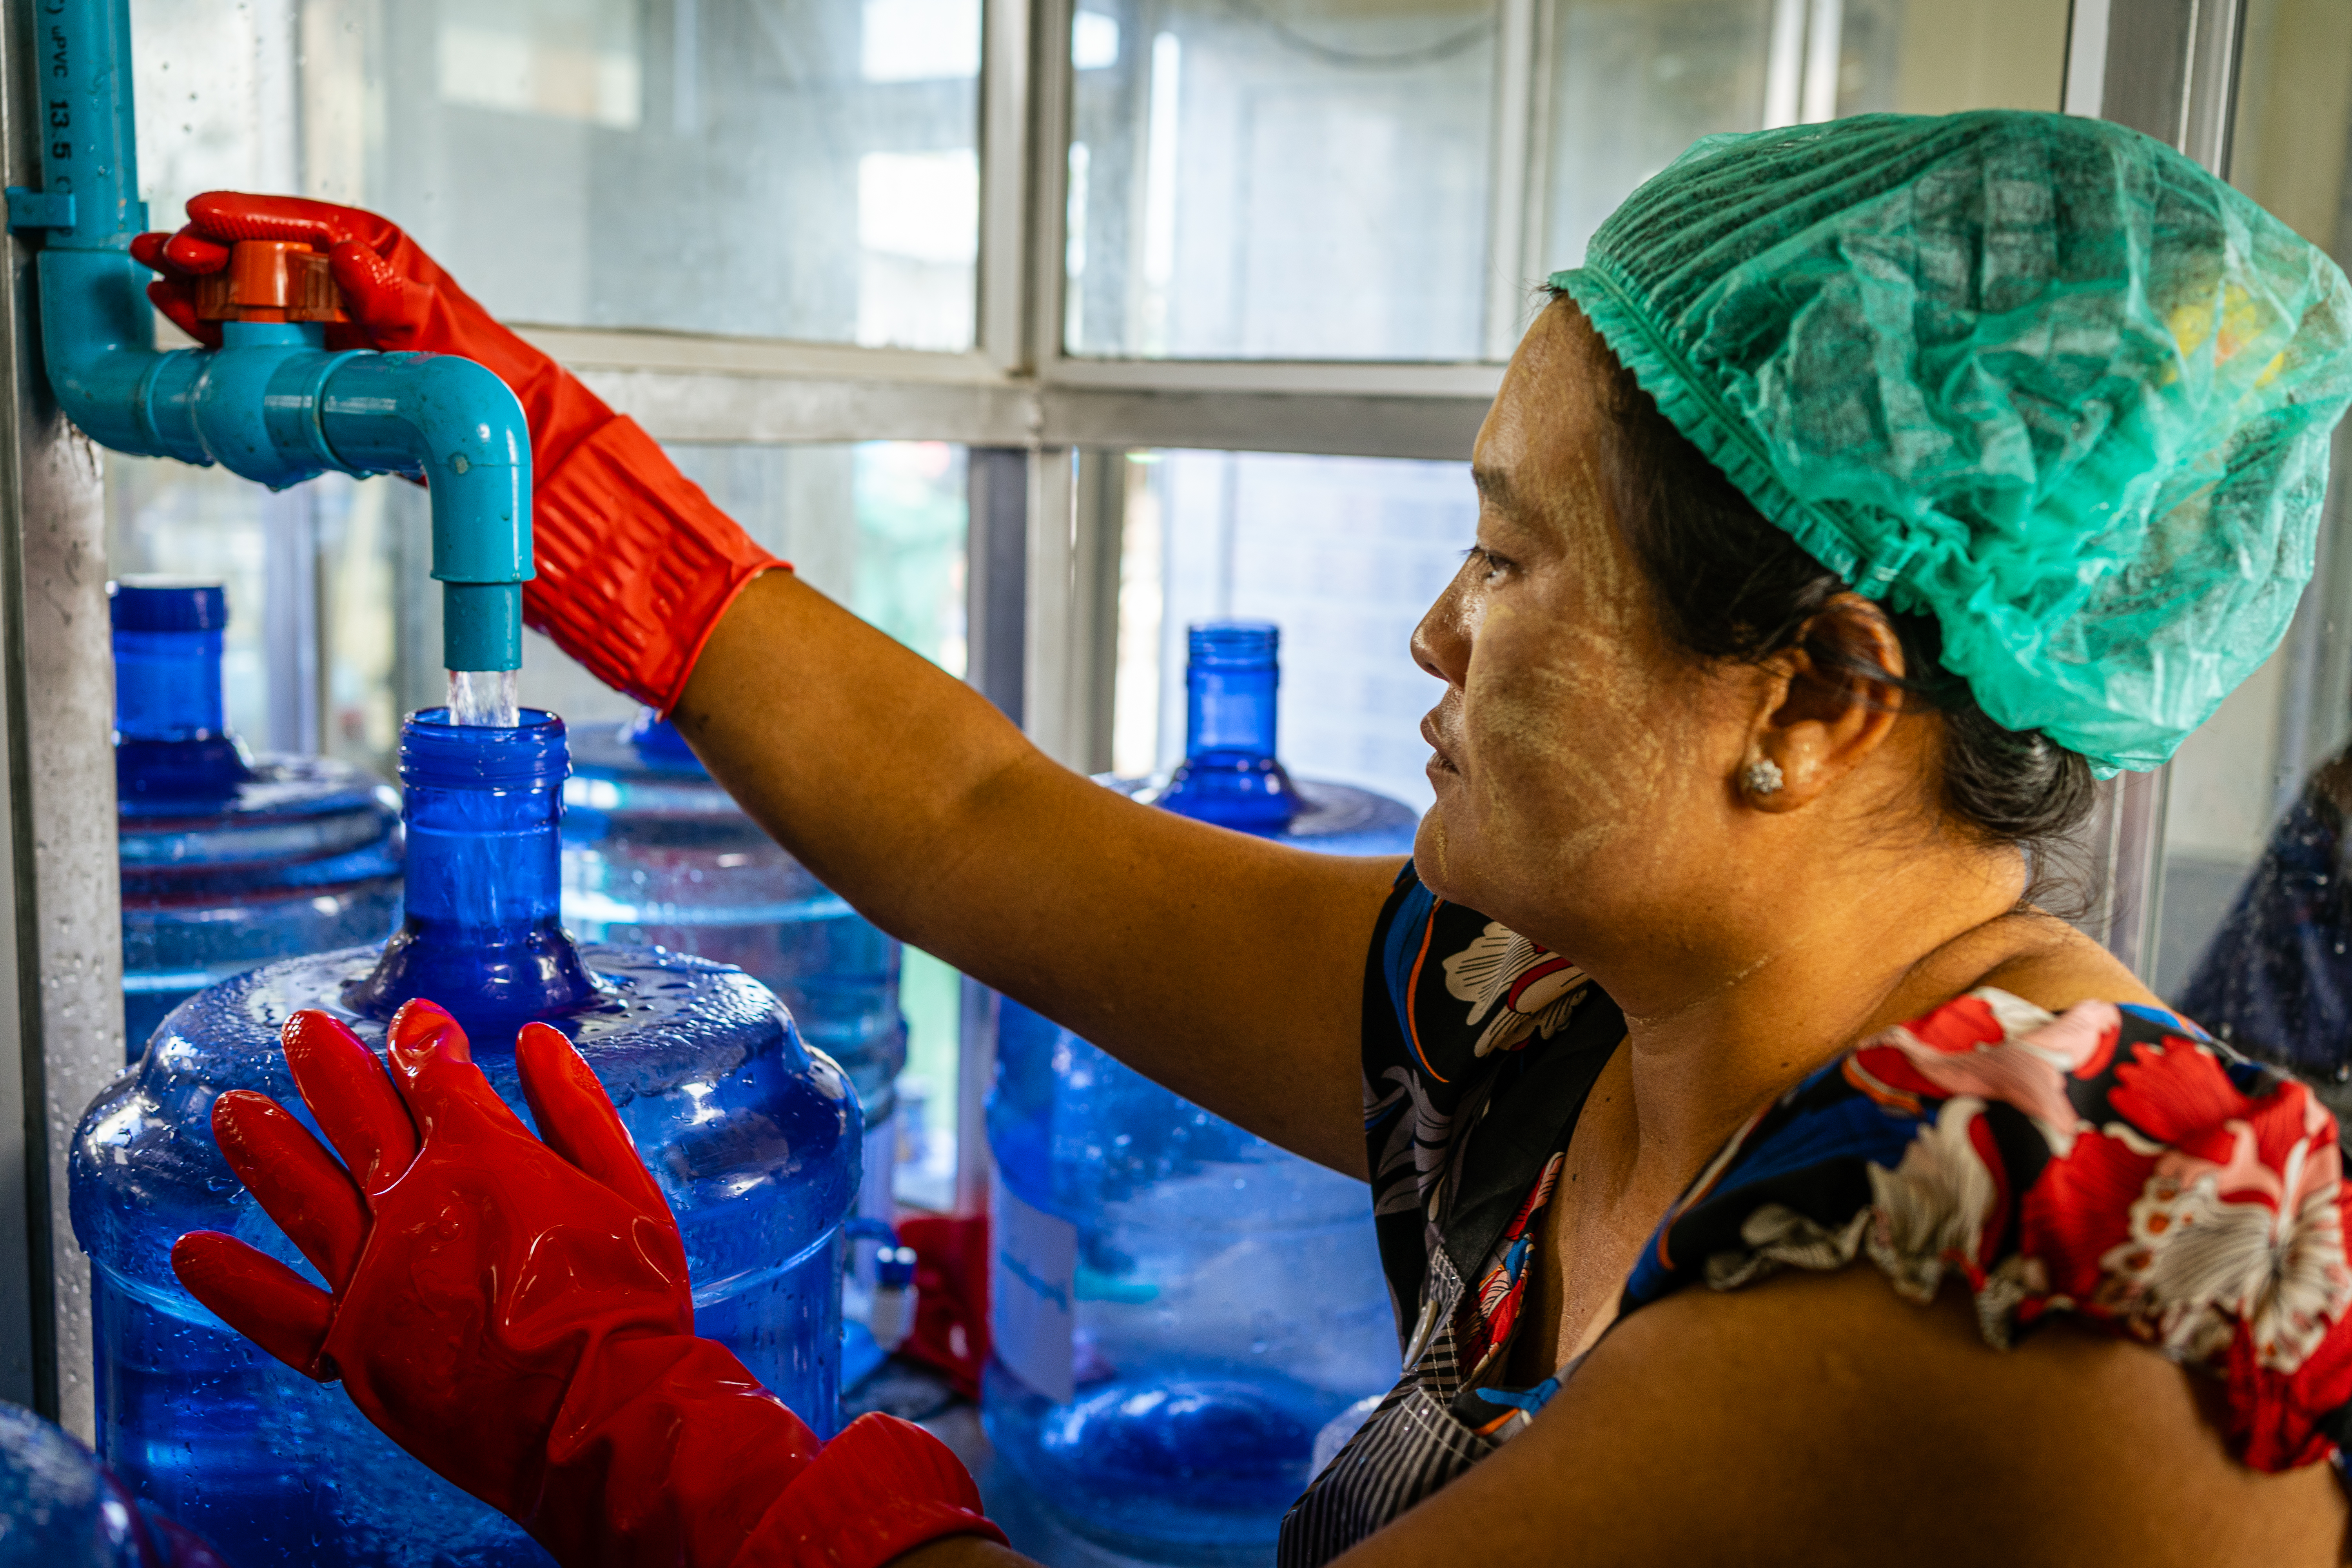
(517, 1314)
(398, 297)
(635, 565)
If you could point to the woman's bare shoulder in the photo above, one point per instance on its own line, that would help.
(2033, 955)
(1822, 1419)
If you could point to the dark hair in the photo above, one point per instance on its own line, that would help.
(1732, 586)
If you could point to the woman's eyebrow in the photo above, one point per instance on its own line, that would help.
(1494, 486)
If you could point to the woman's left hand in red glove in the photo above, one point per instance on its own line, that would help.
(517, 1314)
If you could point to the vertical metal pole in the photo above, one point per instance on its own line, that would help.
(57, 682)
(1512, 204)
(997, 577)
(2211, 112)
(1099, 529)
(2167, 67)
(996, 638)
(1784, 65)
(289, 631)
(1014, 297)
(27, 1317)
(1075, 502)
(1044, 120)
(2086, 59)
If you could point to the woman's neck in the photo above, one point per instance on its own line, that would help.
(1726, 1014)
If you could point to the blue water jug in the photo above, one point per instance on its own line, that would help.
(656, 854)
(227, 861)
(1178, 1307)
(753, 1137)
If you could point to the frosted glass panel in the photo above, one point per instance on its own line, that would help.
(746, 167)
(878, 525)
(1297, 179)
(216, 94)
(1315, 179)
(1639, 80)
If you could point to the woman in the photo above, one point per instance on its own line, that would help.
(1873, 485)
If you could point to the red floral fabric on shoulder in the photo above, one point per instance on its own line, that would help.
(2111, 1162)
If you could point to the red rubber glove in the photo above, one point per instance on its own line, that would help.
(635, 565)
(517, 1315)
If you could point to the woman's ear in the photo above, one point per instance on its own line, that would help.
(1832, 700)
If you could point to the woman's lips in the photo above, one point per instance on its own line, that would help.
(1438, 760)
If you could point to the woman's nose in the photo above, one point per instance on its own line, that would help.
(1441, 644)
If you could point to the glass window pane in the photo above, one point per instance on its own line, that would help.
(214, 88)
(1307, 179)
(1291, 179)
(2254, 920)
(1636, 81)
(1344, 553)
(745, 167)
(877, 525)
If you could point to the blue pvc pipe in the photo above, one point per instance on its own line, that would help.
(271, 404)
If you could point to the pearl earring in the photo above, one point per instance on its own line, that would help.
(1761, 776)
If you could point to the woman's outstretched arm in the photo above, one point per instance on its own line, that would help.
(1227, 968)
(1820, 1420)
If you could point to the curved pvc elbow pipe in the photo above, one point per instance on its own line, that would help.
(274, 407)
(457, 425)
(98, 344)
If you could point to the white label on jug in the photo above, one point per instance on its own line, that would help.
(1030, 1288)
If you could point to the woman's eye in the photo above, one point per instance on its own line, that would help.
(1488, 564)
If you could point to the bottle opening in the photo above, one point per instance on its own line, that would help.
(439, 751)
(1234, 645)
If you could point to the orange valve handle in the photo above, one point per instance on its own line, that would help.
(271, 281)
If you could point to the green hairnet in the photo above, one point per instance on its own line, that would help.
(2040, 376)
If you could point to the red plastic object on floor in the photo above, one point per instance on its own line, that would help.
(635, 563)
(517, 1314)
(952, 1295)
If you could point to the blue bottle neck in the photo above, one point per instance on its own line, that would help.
(171, 738)
(1230, 776)
(483, 936)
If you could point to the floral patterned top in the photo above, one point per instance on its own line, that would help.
(2113, 1162)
